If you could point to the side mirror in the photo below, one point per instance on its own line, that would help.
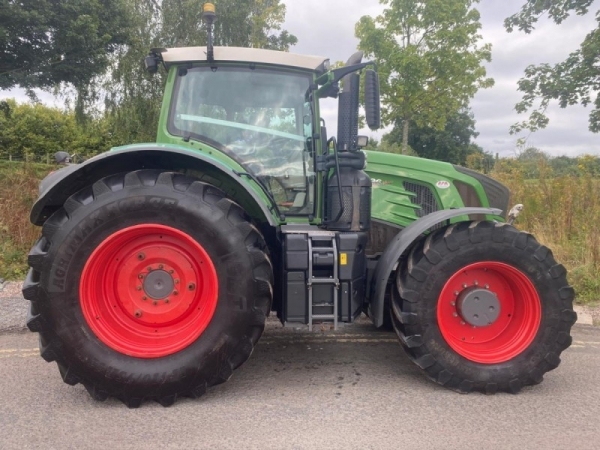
(151, 64)
(62, 158)
(372, 100)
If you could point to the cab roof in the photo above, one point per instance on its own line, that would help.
(239, 54)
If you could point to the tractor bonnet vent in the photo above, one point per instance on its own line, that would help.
(424, 197)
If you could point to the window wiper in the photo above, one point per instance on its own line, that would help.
(187, 135)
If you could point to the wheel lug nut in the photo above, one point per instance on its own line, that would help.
(462, 322)
(141, 256)
(167, 300)
(456, 292)
(139, 288)
(464, 285)
(140, 276)
(155, 303)
(138, 314)
(476, 283)
(144, 298)
(149, 268)
(191, 286)
(160, 266)
(455, 314)
(177, 281)
(171, 271)
(487, 286)
(175, 292)
(453, 303)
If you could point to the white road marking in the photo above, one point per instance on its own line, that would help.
(12, 350)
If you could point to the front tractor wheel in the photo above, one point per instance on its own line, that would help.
(481, 306)
(148, 286)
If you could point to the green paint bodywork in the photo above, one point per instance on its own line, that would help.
(391, 202)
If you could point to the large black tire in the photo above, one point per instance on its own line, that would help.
(241, 290)
(527, 282)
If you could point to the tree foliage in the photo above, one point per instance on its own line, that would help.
(47, 42)
(453, 143)
(576, 80)
(36, 131)
(429, 59)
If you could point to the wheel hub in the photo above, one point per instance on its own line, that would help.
(148, 290)
(158, 284)
(489, 312)
(478, 307)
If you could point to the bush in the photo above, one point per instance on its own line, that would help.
(18, 191)
(562, 212)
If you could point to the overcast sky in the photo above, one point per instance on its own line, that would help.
(326, 27)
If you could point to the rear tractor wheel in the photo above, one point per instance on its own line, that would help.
(483, 307)
(148, 286)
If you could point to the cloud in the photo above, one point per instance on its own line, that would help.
(494, 111)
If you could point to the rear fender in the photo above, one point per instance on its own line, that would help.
(60, 185)
(400, 244)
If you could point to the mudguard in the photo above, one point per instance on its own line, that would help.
(398, 246)
(56, 188)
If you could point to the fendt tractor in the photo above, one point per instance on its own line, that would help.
(159, 263)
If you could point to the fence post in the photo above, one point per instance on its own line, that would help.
(47, 158)
(10, 157)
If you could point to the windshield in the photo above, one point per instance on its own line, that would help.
(258, 117)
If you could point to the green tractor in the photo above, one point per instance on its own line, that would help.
(159, 263)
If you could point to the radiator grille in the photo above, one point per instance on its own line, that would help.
(424, 197)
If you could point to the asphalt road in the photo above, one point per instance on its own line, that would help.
(345, 390)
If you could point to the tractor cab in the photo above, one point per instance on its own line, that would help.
(260, 108)
(262, 117)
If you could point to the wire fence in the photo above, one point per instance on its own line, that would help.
(46, 158)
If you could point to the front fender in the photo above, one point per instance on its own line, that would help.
(400, 244)
(60, 185)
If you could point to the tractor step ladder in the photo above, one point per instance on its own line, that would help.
(332, 280)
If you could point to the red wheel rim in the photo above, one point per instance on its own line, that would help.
(514, 328)
(148, 291)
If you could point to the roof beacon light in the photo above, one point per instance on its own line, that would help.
(209, 16)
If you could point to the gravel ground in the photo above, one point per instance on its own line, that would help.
(13, 308)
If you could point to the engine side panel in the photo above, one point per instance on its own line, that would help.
(406, 188)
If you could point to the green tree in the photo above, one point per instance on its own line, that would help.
(589, 165)
(38, 131)
(452, 143)
(564, 165)
(531, 159)
(429, 59)
(478, 159)
(572, 81)
(47, 42)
